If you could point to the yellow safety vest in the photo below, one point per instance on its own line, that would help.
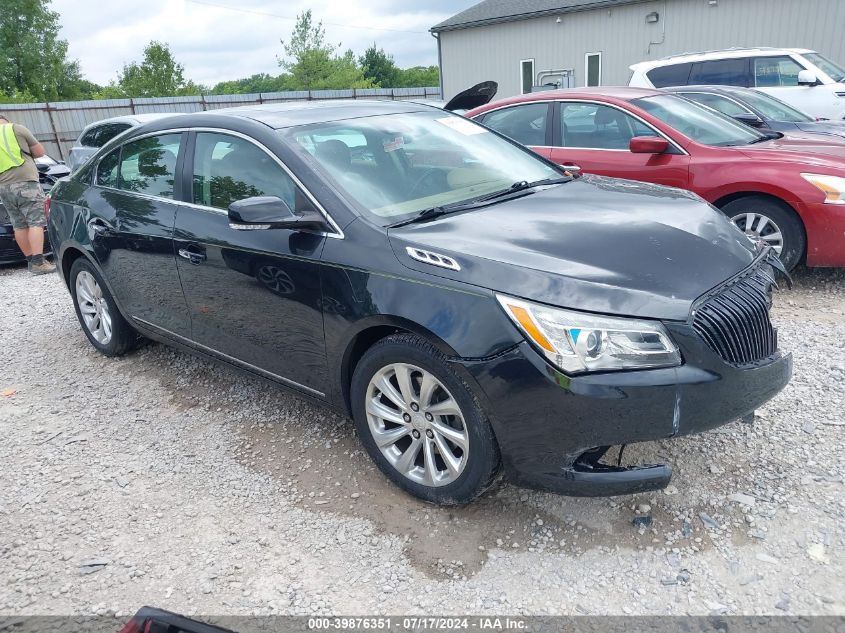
(10, 151)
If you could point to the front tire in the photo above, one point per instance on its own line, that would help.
(421, 424)
(97, 312)
(773, 222)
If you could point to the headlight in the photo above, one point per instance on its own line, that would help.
(577, 342)
(833, 187)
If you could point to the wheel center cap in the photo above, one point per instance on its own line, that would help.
(418, 422)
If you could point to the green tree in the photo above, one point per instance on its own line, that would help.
(314, 64)
(33, 59)
(261, 82)
(379, 67)
(157, 75)
(419, 77)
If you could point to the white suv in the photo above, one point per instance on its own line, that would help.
(803, 78)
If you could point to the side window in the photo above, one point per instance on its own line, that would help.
(595, 126)
(525, 124)
(107, 170)
(721, 72)
(228, 168)
(776, 71)
(673, 75)
(722, 104)
(108, 132)
(148, 165)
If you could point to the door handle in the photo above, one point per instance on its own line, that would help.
(99, 227)
(192, 256)
(571, 167)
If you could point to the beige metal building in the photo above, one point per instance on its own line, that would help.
(523, 43)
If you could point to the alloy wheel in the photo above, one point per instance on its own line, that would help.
(760, 226)
(93, 307)
(417, 425)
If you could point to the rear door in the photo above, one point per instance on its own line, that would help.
(594, 138)
(526, 123)
(130, 217)
(254, 295)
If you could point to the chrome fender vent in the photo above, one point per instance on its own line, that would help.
(435, 259)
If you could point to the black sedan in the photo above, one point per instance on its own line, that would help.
(470, 306)
(759, 110)
(49, 172)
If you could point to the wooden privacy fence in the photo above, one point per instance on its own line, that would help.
(57, 125)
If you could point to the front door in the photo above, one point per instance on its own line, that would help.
(778, 76)
(254, 296)
(595, 138)
(130, 221)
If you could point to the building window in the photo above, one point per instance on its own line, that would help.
(526, 72)
(592, 69)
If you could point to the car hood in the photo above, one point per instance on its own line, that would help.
(596, 244)
(808, 149)
(822, 127)
(477, 96)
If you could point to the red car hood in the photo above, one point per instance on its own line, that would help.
(798, 149)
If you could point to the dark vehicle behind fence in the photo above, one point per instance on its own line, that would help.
(49, 172)
(469, 305)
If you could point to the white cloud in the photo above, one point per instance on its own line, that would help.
(216, 44)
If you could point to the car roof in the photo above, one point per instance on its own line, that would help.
(737, 90)
(282, 115)
(621, 93)
(132, 119)
(719, 54)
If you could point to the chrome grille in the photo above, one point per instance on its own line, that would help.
(735, 322)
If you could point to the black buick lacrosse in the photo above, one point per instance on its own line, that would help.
(472, 307)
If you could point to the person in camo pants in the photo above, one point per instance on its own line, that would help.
(20, 192)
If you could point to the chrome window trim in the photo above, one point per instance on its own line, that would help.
(672, 142)
(337, 232)
(231, 359)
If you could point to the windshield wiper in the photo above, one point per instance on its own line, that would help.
(770, 136)
(435, 212)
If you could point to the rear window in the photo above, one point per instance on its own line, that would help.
(102, 134)
(673, 75)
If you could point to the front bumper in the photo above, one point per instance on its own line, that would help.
(545, 421)
(825, 226)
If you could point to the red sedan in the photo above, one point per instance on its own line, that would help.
(788, 191)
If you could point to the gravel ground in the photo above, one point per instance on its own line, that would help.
(162, 479)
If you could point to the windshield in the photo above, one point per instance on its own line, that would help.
(832, 70)
(698, 122)
(773, 108)
(395, 166)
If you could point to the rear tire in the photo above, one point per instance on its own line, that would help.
(772, 221)
(420, 422)
(97, 312)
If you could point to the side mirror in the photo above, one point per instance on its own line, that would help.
(43, 168)
(648, 145)
(748, 118)
(270, 212)
(807, 78)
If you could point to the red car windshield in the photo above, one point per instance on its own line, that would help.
(697, 122)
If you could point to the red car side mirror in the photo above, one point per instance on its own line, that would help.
(648, 145)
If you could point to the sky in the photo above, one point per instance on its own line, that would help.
(219, 40)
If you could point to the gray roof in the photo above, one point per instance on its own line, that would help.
(494, 11)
